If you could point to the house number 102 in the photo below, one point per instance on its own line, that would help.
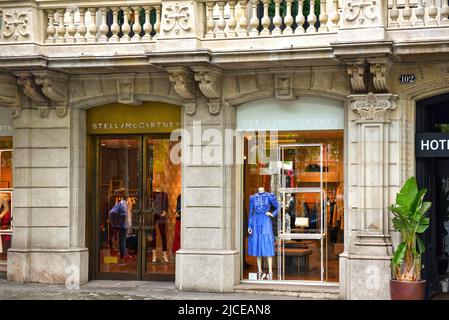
(407, 78)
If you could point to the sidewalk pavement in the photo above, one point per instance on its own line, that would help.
(118, 290)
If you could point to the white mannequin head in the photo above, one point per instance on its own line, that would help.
(261, 190)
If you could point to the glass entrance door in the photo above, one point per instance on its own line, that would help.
(302, 244)
(136, 200)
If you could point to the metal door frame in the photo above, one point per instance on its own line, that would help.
(323, 221)
(140, 273)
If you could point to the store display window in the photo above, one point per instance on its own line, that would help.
(6, 194)
(293, 205)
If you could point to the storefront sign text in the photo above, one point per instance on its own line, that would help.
(429, 145)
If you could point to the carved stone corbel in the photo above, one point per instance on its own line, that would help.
(55, 87)
(182, 79)
(30, 88)
(380, 69)
(209, 80)
(357, 72)
(373, 107)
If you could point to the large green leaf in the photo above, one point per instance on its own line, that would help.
(407, 196)
(398, 257)
(421, 246)
(418, 200)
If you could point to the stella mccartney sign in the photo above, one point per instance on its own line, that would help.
(430, 145)
(150, 117)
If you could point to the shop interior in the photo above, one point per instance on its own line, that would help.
(137, 170)
(6, 185)
(304, 169)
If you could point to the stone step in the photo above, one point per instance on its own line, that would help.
(324, 292)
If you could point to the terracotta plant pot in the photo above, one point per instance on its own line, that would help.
(403, 290)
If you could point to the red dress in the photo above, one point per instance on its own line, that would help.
(6, 225)
(177, 238)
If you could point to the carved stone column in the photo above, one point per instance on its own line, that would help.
(49, 184)
(365, 264)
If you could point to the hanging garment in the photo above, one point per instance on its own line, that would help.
(261, 241)
(177, 236)
(160, 204)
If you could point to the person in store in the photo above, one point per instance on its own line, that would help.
(118, 216)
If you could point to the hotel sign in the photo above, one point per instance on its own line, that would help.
(432, 145)
(151, 117)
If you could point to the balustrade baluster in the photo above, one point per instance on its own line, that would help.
(243, 21)
(288, 19)
(51, 30)
(323, 16)
(445, 13)
(115, 27)
(419, 13)
(277, 20)
(406, 14)
(103, 26)
(335, 17)
(265, 19)
(61, 26)
(433, 12)
(82, 28)
(254, 21)
(221, 24)
(93, 29)
(300, 19)
(210, 24)
(157, 24)
(232, 22)
(126, 28)
(311, 18)
(394, 15)
(137, 28)
(71, 30)
(147, 27)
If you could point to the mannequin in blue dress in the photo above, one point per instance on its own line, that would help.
(261, 237)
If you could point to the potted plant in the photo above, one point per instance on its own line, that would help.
(410, 219)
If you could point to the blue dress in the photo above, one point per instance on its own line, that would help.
(261, 241)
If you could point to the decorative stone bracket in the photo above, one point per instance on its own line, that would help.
(370, 73)
(209, 81)
(373, 108)
(184, 84)
(357, 73)
(46, 89)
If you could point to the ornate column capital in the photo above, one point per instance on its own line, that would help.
(373, 108)
(182, 79)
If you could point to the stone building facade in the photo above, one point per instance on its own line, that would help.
(59, 59)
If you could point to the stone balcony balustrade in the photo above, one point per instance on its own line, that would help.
(61, 32)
